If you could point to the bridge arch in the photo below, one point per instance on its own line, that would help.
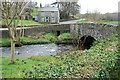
(86, 41)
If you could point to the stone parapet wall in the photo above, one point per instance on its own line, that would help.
(92, 29)
(40, 28)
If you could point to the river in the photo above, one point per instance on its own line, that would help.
(37, 49)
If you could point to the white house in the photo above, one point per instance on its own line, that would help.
(48, 15)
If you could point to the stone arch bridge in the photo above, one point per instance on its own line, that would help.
(94, 30)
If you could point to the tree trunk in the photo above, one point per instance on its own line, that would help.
(12, 51)
(12, 47)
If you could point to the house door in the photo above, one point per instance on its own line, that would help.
(47, 19)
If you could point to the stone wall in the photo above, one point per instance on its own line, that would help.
(41, 28)
(92, 29)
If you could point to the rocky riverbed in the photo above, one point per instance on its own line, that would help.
(37, 49)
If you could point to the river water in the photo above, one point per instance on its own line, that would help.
(37, 49)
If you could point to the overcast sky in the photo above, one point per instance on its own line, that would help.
(103, 6)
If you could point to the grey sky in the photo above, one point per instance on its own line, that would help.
(103, 6)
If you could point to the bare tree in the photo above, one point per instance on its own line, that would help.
(32, 4)
(92, 15)
(110, 16)
(67, 9)
(11, 12)
(96, 15)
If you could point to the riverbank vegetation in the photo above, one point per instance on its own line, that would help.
(41, 38)
(100, 61)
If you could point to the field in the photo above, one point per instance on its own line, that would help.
(103, 22)
(27, 22)
(109, 22)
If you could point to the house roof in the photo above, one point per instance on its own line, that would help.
(48, 9)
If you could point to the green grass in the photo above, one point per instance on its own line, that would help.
(109, 22)
(28, 22)
(65, 38)
(97, 62)
(16, 69)
(64, 35)
(27, 40)
(51, 36)
(47, 38)
(5, 42)
(35, 12)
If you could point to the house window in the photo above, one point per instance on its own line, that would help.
(52, 13)
(42, 13)
(53, 19)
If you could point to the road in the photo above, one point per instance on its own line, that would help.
(17, 28)
(64, 22)
(70, 22)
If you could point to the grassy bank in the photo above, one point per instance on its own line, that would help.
(27, 23)
(97, 62)
(41, 39)
(102, 22)
(30, 22)
(109, 22)
(83, 21)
